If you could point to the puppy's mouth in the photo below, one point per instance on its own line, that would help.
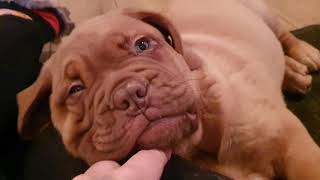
(166, 131)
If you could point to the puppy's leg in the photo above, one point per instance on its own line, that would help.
(302, 158)
(299, 50)
(296, 79)
(304, 54)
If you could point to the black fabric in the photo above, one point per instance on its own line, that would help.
(21, 42)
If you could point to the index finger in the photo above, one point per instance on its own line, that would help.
(145, 165)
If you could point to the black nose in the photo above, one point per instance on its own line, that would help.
(130, 96)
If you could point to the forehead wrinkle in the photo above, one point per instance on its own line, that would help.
(113, 46)
(104, 41)
(81, 43)
(106, 35)
(109, 50)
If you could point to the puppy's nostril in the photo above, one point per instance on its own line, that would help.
(125, 104)
(136, 90)
(121, 100)
(141, 93)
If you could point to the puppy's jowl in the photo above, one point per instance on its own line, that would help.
(207, 82)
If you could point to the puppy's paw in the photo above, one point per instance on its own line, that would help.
(305, 54)
(296, 79)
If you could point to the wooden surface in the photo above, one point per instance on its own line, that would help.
(294, 13)
(297, 13)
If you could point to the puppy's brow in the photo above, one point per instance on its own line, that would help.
(115, 45)
(120, 39)
(71, 70)
(74, 65)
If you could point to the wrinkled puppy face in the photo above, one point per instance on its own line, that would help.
(118, 85)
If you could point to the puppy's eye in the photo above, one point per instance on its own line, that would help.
(142, 44)
(76, 88)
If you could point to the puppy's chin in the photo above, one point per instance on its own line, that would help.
(169, 132)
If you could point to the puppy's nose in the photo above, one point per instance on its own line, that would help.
(131, 96)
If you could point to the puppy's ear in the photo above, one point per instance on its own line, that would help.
(33, 104)
(160, 22)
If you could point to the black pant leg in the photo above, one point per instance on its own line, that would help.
(21, 42)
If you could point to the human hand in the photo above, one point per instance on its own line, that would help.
(145, 165)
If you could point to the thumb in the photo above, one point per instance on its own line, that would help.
(145, 165)
(98, 170)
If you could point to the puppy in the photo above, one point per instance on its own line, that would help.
(204, 80)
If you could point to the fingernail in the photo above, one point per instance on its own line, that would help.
(168, 153)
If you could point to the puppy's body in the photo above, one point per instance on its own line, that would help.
(228, 39)
(127, 81)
